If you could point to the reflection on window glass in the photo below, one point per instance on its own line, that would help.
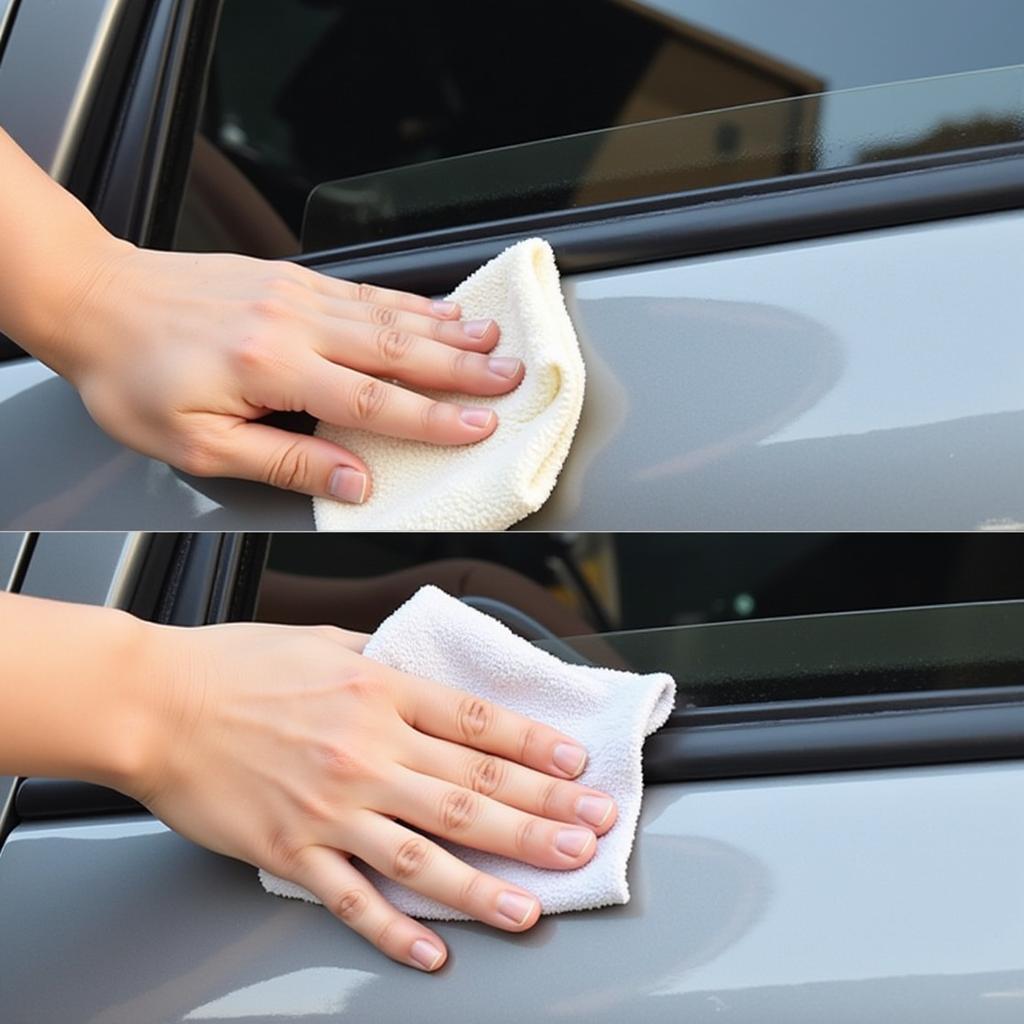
(629, 600)
(613, 582)
(303, 92)
(677, 155)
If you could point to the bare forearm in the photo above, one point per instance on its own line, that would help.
(73, 690)
(52, 247)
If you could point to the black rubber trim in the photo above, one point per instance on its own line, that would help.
(887, 739)
(120, 74)
(67, 798)
(248, 572)
(21, 568)
(197, 576)
(152, 145)
(8, 26)
(433, 263)
(159, 558)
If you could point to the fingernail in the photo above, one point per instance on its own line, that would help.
(476, 328)
(570, 758)
(476, 417)
(503, 366)
(515, 906)
(426, 954)
(348, 484)
(573, 841)
(594, 810)
(443, 307)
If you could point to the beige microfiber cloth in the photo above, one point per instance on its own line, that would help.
(493, 484)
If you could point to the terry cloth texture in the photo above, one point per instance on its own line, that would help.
(493, 484)
(609, 711)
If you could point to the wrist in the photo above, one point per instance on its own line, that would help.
(122, 746)
(66, 312)
(155, 707)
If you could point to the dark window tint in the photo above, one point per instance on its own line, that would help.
(628, 581)
(303, 92)
(725, 613)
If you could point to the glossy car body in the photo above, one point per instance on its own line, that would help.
(889, 891)
(839, 355)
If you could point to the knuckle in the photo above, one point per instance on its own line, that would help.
(362, 687)
(384, 936)
(432, 416)
(393, 345)
(549, 798)
(486, 775)
(350, 905)
(283, 284)
(368, 399)
(525, 838)
(366, 292)
(271, 307)
(384, 315)
(459, 809)
(342, 763)
(526, 741)
(289, 468)
(411, 859)
(470, 890)
(474, 717)
(251, 353)
(460, 363)
(331, 633)
(282, 851)
(313, 808)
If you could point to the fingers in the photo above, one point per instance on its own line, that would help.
(512, 784)
(472, 819)
(292, 462)
(349, 291)
(394, 352)
(463, 718)
(474, 335)
(347, 893)
(414, 861)
(348, 398)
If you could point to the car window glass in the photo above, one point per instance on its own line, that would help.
(305, 92)
(706, 607)
(773, 140)
(850, 654)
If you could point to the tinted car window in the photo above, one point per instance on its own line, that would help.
(303, 92)
(738, 618)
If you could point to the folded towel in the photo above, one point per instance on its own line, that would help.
(608, 711)
(493, 484)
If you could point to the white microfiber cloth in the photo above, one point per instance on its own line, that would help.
(607, 710)
(493, 484)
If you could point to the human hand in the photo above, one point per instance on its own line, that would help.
(285, 747)
(180, 356)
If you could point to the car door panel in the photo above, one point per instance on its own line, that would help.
(848, 896)
(863, 381)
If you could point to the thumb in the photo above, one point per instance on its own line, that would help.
(295, 462)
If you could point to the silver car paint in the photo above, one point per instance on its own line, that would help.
(873, 380)
(64, 45)
(862, 896)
